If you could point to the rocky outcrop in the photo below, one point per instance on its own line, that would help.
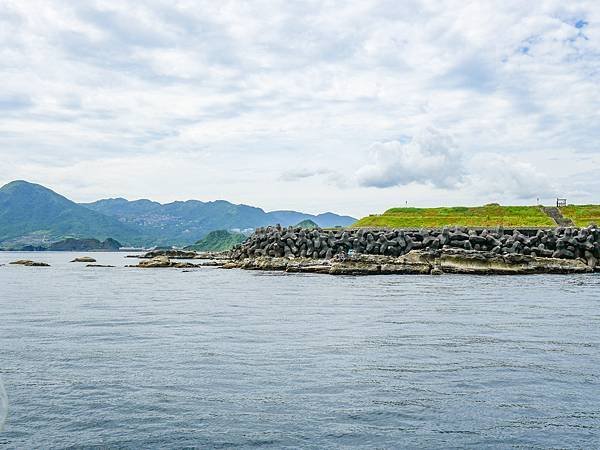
(29, 263)
(163, 261)
(217, 256)
(418, 262)
(84, 259)
(171, 254)
(575, 244)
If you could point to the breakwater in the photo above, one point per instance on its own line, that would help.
(294, 242)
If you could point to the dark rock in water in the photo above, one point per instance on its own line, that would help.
(162, 261)
(98, 265)
(84, 259)
(170, 254)
(29, 263)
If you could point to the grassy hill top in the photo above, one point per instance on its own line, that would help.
(582, 215)
(481, 216)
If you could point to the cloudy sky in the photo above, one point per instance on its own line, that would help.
(348, 106)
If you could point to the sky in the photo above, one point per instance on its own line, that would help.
(346, 106)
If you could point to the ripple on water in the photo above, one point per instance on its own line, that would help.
(215, 358)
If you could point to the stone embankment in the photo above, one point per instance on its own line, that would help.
(418, 262)
(456, 250)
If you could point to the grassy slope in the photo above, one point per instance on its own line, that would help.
(482, 216)
(218, 241)
(582, 215)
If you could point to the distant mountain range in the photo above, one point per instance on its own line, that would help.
(31, 214)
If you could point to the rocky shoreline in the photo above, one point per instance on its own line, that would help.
(380, 252)
(418, 262)
(457, 250)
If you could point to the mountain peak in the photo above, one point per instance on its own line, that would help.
(30, 213)
(18, 184)
(33, 214)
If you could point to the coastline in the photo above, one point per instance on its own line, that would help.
(418, 262)
(426, 251)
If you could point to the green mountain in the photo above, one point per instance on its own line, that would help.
(325, 220)
(180, 223)
(307, 224)
(218, 241)
(33, 214)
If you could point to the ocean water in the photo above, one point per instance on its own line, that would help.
(212, 358)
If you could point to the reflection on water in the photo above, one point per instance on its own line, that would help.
(120, 357)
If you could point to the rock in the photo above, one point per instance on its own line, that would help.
(212, 255)
(185, 265)
(29, 263)
(171, 254)
(163, 261)
(214, 263)
(419, 262)
(98, 265)
(84, 259)
(275, 242)
(485, 263)
(157, 261)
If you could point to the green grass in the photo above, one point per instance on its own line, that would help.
(218, 241)
(481, 216)
(582, 215)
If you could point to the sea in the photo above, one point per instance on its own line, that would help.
(212, 358)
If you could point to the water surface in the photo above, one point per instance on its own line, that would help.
(122, 357)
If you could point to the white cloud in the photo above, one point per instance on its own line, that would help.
(508, 177)
(303, 173)
(271, 85)
(428, 158)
